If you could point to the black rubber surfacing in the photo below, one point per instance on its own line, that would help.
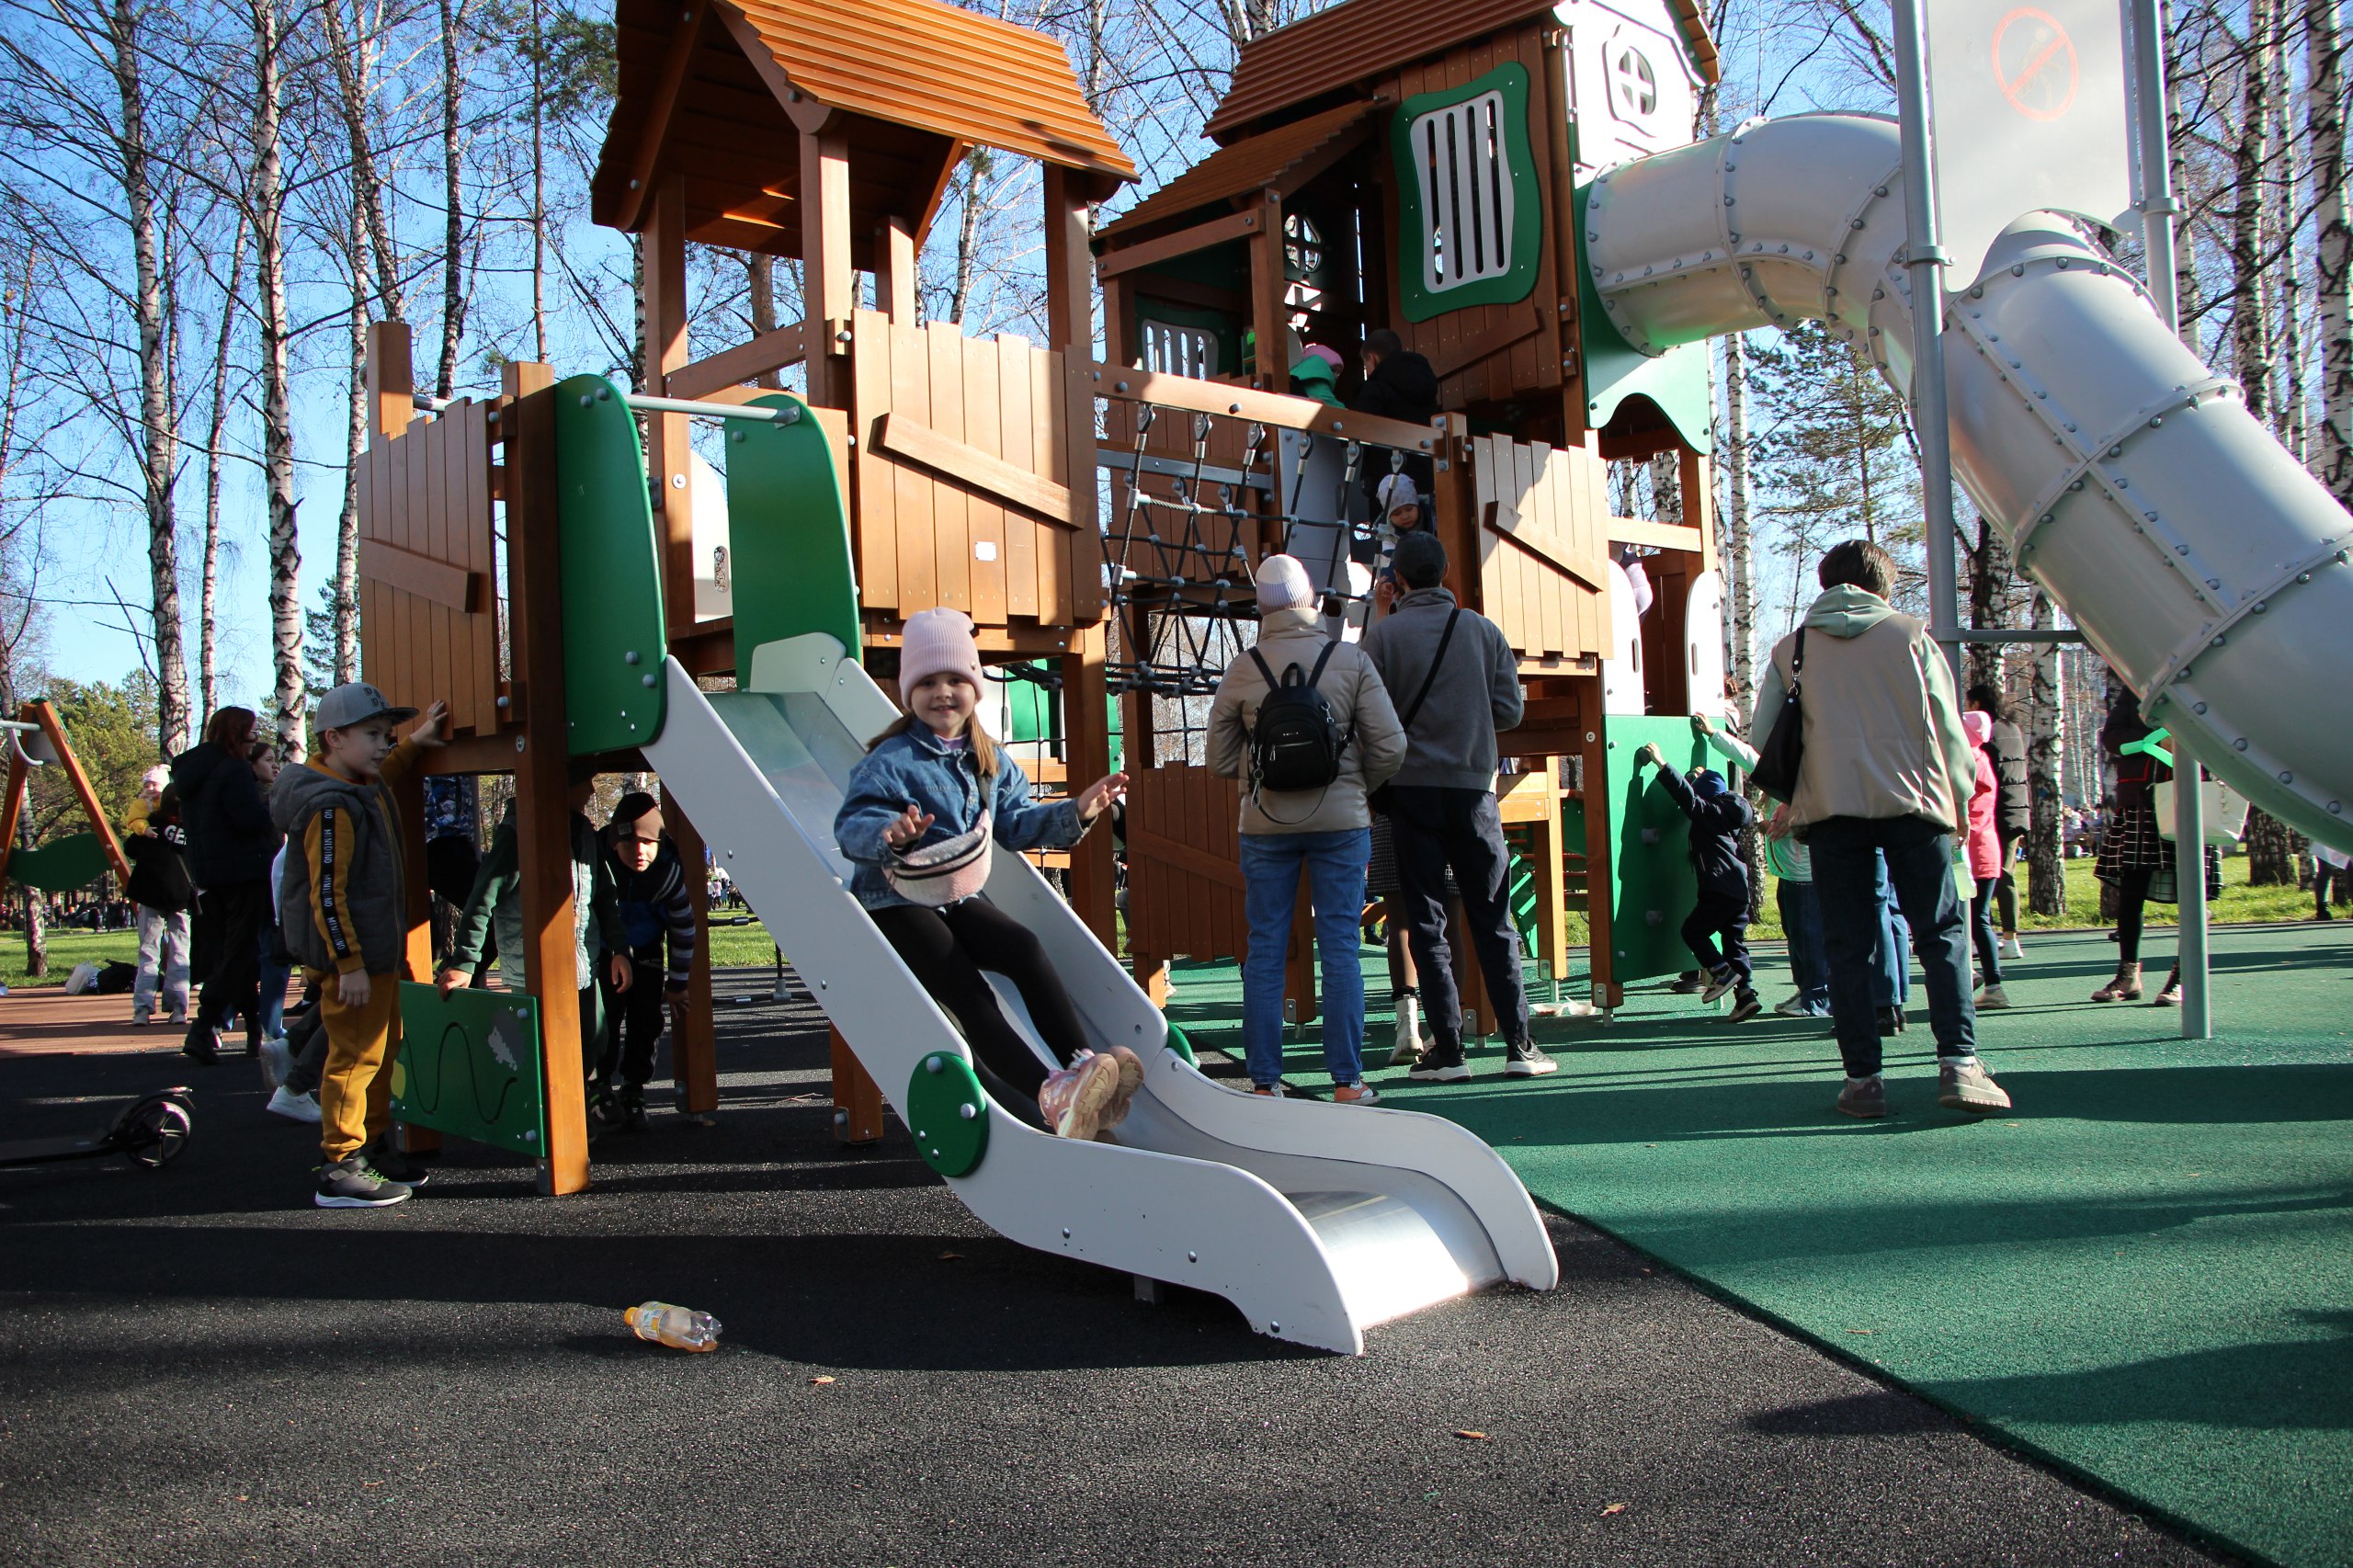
(196, 1367)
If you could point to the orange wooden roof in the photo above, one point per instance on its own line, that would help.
(1355, 40)
(921, 81)
(1242, 169)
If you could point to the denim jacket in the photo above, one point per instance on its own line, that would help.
(912, 765)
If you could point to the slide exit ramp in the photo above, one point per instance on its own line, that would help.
(1317, 1221)
(2199, 558)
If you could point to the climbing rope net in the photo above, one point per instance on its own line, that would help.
(1190, 495)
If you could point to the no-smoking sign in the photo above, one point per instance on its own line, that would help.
(2035, 65)
(2029, 111)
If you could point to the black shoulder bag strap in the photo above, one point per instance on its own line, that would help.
(1430, 678)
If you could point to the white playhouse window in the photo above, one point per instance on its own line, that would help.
(1463, 159)
(1178, 350)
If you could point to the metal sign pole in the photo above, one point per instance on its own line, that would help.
(2157, 210)
(1926, 258)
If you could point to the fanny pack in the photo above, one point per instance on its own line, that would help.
(947, 873)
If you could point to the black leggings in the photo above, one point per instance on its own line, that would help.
(947, 948)
(227, 939)
(2132, 893)
(2007, 886)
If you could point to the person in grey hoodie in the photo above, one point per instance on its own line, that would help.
(1325, 832)
(1887, 770)
(1461, 668)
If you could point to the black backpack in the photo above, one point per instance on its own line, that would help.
(1293, 745)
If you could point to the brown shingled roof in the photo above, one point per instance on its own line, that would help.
(1351, 42)
(1247, 167)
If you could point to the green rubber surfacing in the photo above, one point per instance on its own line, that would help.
(2143, 1275)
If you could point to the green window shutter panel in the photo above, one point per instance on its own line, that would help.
(1471, 228)
(788, 534)
(614, 635)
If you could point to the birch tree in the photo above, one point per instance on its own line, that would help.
(268, 211)
(2332, 457)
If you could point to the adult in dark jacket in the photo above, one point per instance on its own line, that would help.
(230, 845)
(160, 888)
(1398, 384)
(1717, 928)
(2013, 807)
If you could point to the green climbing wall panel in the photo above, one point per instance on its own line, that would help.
(470, 1066)
(1652, 883)
(62, 865)
(614, 636)
(787, 533)
(947, 1113)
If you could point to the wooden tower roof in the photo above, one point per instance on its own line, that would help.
(1345, 45)
(714, 90)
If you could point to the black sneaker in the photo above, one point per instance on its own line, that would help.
(202, 1045)
(1440, 1064)
(1745, 1007)
(633, 1108)
(1526, 1059)
(1891, 1022)
(1690, 982)
(352, 1183)
(393, 1166)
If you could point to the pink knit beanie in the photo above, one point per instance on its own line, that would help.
(936, 641)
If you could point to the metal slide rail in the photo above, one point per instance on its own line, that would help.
(2199, 558)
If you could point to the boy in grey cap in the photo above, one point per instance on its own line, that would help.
(346, 917)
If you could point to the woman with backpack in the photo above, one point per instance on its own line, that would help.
(1307, 726)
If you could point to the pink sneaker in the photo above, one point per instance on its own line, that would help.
(1130, 1080)
(1076, 1098)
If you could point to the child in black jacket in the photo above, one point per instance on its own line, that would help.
(1717, 930)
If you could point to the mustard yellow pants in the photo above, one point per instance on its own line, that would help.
(355, 1088)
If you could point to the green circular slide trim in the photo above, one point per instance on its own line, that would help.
(1181, 1046)
(947, 1113)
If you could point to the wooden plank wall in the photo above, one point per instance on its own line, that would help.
(1534, 361)
(1184, 864)
(427, 491)
(1562, 494)
(924, 540)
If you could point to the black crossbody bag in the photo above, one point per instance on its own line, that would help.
(1784, 753)
(1380, 799)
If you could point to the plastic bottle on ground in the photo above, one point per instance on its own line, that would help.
(680, 1328)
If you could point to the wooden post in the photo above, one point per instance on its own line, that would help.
(392, 380)
(829, 284)
(1600, 867)
(668, 457)
(44, 715)
(542, 756)
(416, 944)
(894, 270)
(858, 1103)
(1455, 516)
(1269, 315)
(13, 807)
(1141, 752)
(694, 1054)
(1086, 756)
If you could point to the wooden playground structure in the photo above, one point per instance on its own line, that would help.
(975, 469)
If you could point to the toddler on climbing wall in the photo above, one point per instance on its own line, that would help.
(1717, 930)
(919, 820)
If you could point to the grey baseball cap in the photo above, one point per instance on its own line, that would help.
(354, 702)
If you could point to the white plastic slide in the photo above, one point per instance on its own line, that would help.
(2198, 556)
(1318, 1220)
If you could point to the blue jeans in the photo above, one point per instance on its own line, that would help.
(1918, 858)
(1891, 954)
(1335, 864)
(1801, 923)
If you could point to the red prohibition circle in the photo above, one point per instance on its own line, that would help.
(2058, 52)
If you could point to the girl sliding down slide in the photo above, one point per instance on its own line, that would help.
(919, 820)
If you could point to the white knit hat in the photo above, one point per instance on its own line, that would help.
(936, 641)
(1396, 491)
(1283, 585)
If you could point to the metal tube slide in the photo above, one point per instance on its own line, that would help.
(2198, 557)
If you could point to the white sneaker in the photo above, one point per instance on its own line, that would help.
(277, 1061)
(292, 1106)
(2012, 947)
(1410, 1046)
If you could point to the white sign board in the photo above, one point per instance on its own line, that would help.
(2029, 114)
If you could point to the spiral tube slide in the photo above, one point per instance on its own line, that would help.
(2198, 557)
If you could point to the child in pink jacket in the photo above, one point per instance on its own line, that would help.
(1984, 859)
